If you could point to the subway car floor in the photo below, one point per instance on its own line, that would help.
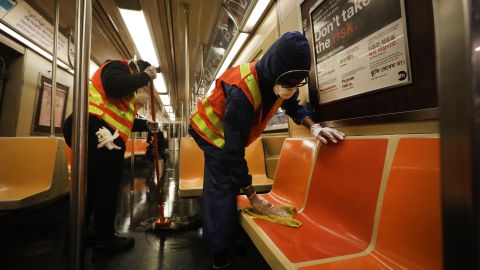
(35, 238)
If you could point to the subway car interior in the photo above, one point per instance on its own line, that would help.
(166, 109)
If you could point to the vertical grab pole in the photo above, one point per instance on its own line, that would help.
(458, 67)
(54, 71)
(161, 221)
(155, 138)
(83, 29)
(186, 11)
(132, 163)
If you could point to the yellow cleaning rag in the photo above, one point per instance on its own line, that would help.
(287, 221)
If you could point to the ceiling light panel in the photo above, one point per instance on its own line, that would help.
(140, 33)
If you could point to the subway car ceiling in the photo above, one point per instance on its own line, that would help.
(212, 29)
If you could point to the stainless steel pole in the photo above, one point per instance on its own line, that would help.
(458, 81)
(132, 162)
(183, 130)
(186, 10)
(54, 70)
(83, 29)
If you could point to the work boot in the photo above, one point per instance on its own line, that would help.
(221, 261)
(107, 246)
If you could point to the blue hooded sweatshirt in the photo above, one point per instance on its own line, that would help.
(290, 52)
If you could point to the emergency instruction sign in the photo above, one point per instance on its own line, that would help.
(359, 46)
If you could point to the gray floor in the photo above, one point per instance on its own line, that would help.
(34, 238)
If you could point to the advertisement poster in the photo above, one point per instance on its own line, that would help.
(29, 23)
(42, 111)
(45, 106)
(359, 46)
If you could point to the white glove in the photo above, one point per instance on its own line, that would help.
(151, 72)
(105, 138)
(324, 133)
(153, 127)
(264, 207)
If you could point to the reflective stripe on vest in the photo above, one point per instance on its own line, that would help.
(211, 126)
(252, 85)
(214, 120)
(108, 111)
(212, 116)
(217, 140)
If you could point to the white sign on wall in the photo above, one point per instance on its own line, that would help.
(29, 23)
(359, 46)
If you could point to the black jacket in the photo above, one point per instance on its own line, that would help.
(119, 82)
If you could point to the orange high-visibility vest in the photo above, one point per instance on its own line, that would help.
(207, 119)
(118, 113)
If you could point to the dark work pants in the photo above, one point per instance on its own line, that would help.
(220, 216)
(104, 172)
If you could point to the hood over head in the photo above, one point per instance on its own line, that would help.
(290, 52)
(138, 66)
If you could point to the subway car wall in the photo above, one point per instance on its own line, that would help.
(22, 89)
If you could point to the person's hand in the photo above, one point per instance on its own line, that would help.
(106, 138)
(153, 127)
(264, 207)
(151, 72)
(324, 133)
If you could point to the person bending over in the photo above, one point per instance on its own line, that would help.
(111, 117)
(233, 116)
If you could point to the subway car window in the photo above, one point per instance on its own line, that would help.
(239, 134)
(278, 122)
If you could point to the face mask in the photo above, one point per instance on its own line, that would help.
(282, 92)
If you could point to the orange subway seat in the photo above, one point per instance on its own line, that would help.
(339, 213)
(140, 147)
(191, 167)
(293, 174)
(409, 234)
(255, 158)
(34, 171)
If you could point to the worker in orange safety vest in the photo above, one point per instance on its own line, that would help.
(112, 109)
(244, 100)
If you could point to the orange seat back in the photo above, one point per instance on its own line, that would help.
(34, 170)
(410, 225)
(140, 146)
(191, 161)
(255, 158)
(345, 185)
(294, 170)
(27, 161)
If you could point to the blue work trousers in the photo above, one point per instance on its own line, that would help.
(220, 215)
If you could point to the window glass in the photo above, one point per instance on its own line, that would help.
(278, 122)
